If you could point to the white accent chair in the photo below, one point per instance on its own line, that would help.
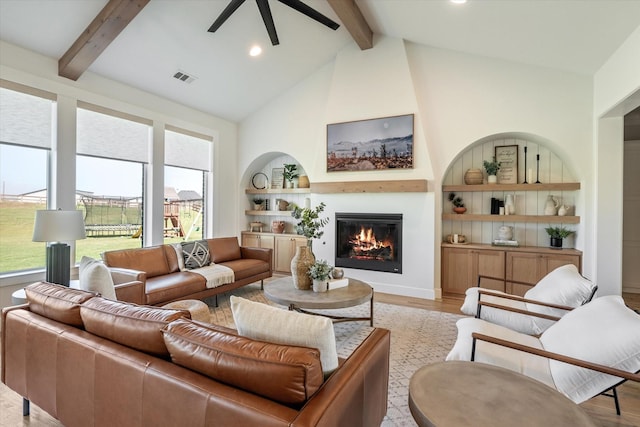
(589, 351)
(552, 297)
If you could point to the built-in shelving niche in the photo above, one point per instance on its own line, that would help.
(479, 226)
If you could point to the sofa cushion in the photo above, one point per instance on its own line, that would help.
(57, 302)
(150, 260)
(224, 249)
(244, 268)
(266, 323)
(286, 374)
(136, 326)
(195, 254)
(95, 277)
(162, 289)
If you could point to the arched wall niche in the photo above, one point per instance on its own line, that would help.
(555, 167)
(265, 163)
(555, 164)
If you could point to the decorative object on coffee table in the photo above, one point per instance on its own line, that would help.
(491, 167)
(557, 234)
(320, 273)
(473, 176)
(300, 264)
(458, 205)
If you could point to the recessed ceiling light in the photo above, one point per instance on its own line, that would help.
(458, 1)
(255, 50)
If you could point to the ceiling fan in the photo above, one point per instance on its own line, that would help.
(265, 12)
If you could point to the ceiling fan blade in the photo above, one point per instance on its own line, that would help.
(226, 13)
(265, 11)
(311, 13)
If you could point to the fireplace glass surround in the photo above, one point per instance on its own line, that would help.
(369, 241)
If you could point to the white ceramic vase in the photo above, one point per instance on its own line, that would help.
(320, 285)
(492, 179)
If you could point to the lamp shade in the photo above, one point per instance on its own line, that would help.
(58, 226)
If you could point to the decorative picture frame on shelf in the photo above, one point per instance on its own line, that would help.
(372, 144)
(277, 178)
(507, 157)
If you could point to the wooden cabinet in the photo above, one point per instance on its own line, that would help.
(283, 245)
(532, 266)
(285, 250)
(461, 266)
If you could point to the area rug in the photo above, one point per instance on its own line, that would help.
(418, 337)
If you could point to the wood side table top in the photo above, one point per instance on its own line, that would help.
(476, 394)
(283, 292)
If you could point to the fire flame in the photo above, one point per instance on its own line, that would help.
(365, 244)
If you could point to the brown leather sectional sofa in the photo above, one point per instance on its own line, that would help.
(87, 360)
(158, 269)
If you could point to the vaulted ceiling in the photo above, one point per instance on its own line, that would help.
(168, 36)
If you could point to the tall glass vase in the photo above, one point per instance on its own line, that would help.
(300, 263)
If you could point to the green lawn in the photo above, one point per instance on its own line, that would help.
(18, 252)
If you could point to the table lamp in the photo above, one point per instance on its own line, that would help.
(55, 227)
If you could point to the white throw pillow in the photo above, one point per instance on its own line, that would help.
(563, 286)
(266, 323)
(177, 247)
(95, 277)
(603, 331)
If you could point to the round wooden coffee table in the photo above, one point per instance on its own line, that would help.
(282, 291)
(476, 394)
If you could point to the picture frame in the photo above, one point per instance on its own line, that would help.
(277, 178)
(372, 144)
(507, 156)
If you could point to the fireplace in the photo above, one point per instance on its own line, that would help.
(369, 241)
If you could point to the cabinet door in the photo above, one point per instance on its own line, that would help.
(251, 240)
(456, 270)
(551, 262)
(285, 249)
(523, 267)
(488, 263)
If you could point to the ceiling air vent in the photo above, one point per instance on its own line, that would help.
(184, 77)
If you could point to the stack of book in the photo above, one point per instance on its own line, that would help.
(500, 242)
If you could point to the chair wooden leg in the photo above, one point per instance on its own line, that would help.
(25, 407)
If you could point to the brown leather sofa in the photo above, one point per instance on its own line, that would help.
(158, 269)
(87, 360)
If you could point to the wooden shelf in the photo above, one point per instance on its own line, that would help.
(551, 219)
(278, 191)
(395, 186)
(560, 186)
(268, 213)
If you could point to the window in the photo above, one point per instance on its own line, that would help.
(187, 160)
(25, 143)
(111, 156)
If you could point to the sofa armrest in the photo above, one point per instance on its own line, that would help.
(361, 382)
(3, 340)
(131, 292)
(264, 254)
(125, 275)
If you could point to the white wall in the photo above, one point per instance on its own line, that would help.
(457, 100)
(616, 92)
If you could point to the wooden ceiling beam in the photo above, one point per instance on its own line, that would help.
(105, 27)
(353, 20)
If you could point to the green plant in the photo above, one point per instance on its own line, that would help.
(258, 200)
(558, 232)
(290, 171)
(457, 201)
(492, 167)
(310, 224)
(320, 270)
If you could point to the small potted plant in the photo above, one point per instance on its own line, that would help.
(258, 204)
(458, 205)
(557, 234)
(290, 173)
(492, 167)
(310, 224)
(320, 272)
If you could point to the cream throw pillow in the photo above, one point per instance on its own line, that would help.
(265, 323)
(95, 277)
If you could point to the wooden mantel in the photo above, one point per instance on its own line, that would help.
(396, 186)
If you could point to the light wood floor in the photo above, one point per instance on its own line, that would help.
(601, 408)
